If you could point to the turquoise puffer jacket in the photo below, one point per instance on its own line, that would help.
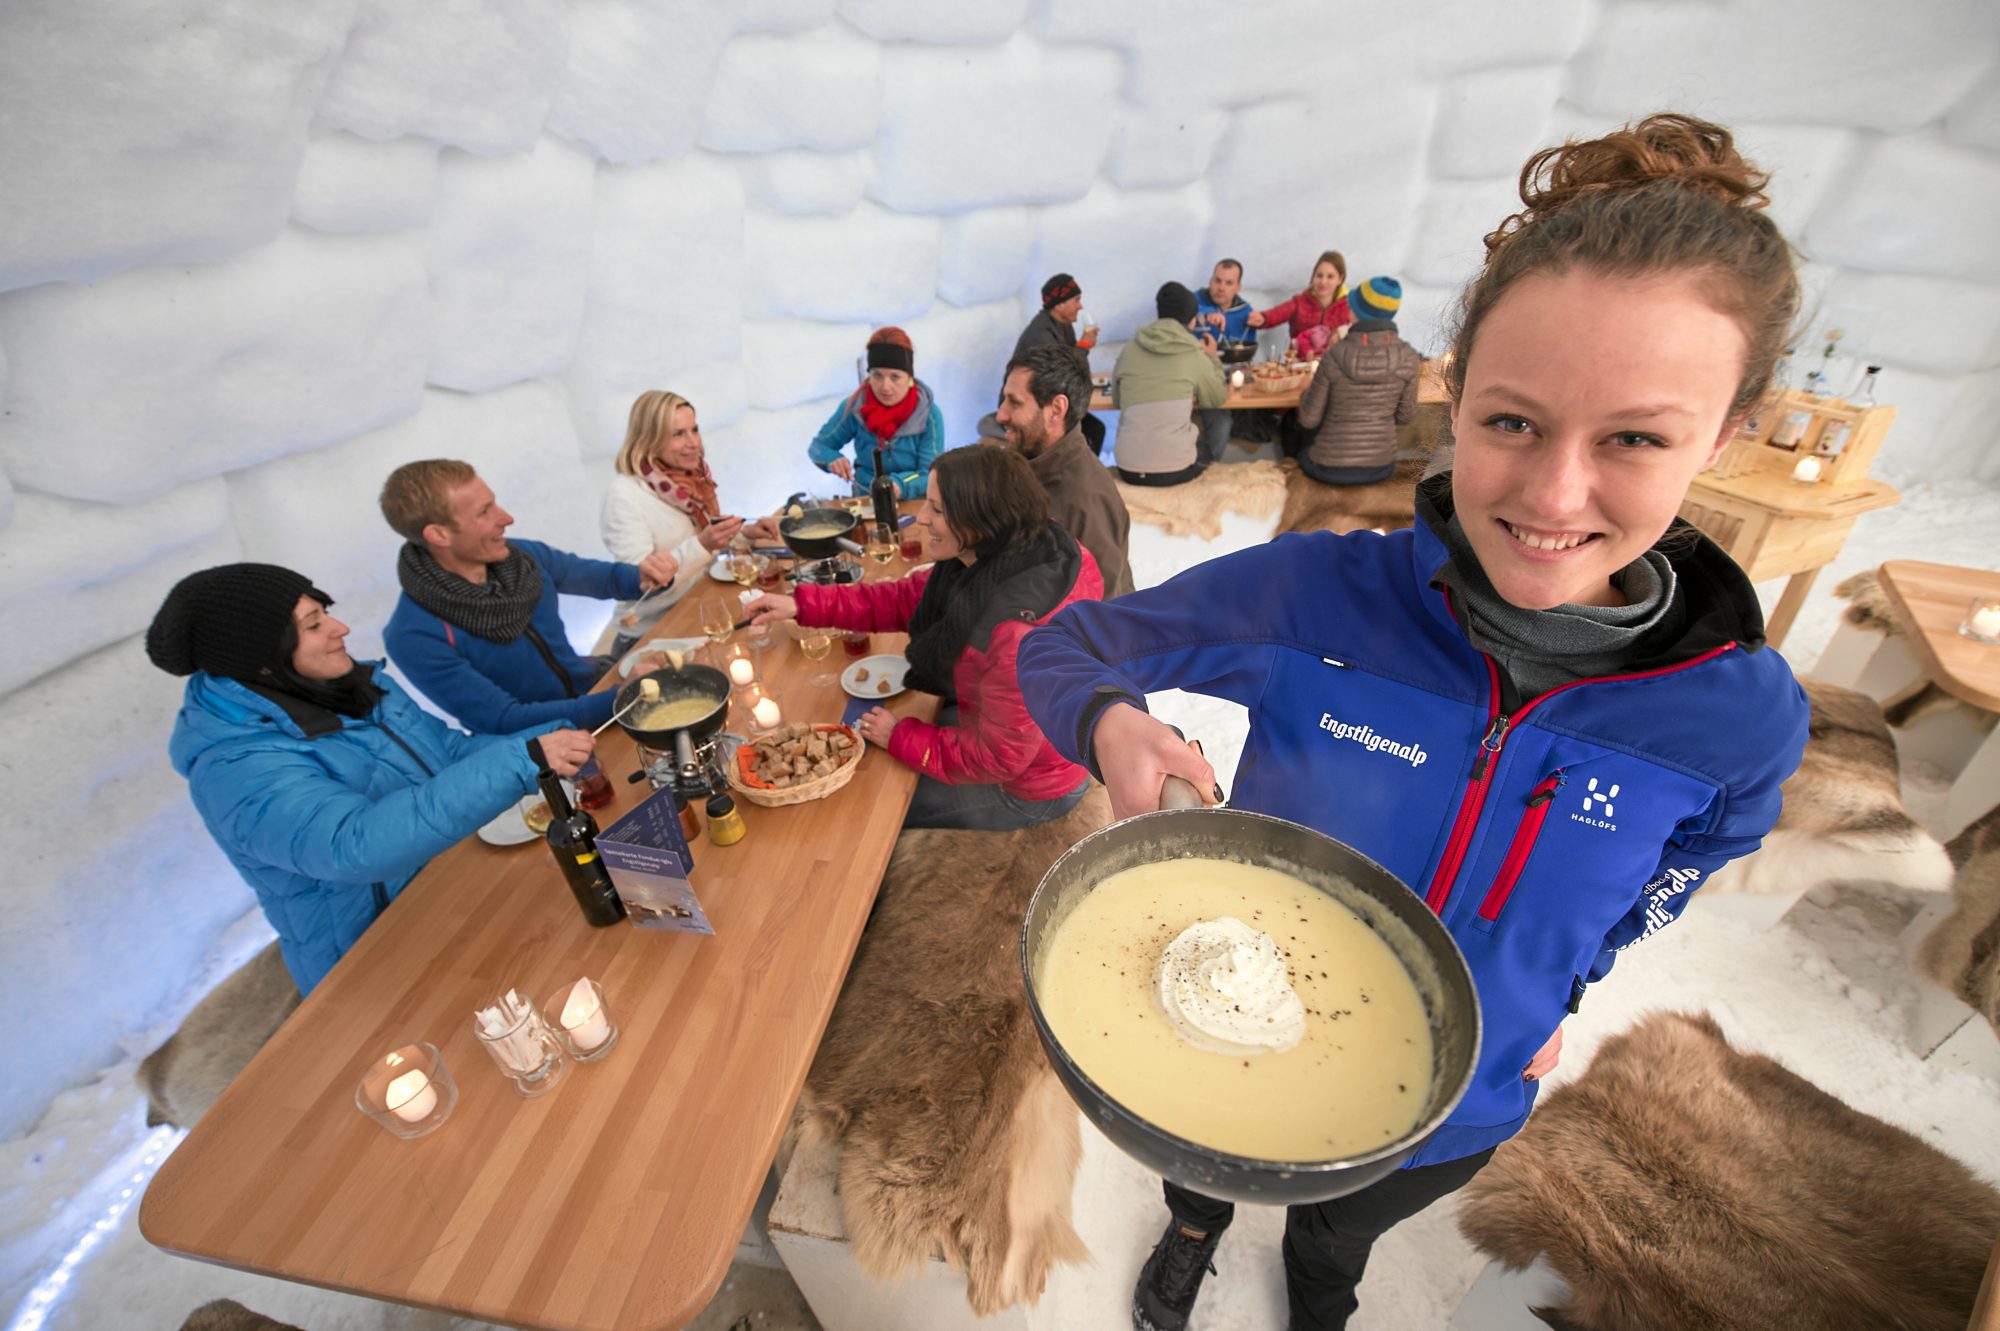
(327, 817)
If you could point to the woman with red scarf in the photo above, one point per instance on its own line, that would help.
(894, 411)
(663, 498)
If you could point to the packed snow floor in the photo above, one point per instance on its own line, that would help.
(1827, 990)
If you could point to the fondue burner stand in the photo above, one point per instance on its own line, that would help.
(694, 781)
(827, 572)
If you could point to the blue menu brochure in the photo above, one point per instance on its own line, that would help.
(650, 863)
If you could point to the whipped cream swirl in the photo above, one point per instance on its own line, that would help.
(1225, 988)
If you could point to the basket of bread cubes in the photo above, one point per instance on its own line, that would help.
(796, 764)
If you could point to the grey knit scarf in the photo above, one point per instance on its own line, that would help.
(497, 609)
(1543, 649)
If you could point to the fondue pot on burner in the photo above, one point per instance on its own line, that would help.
(821, 547)
(690, 681)
(1384, 903)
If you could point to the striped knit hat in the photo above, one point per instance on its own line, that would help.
(1377, 298)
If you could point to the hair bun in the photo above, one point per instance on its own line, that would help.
(1692, 153)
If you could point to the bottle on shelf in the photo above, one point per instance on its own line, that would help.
(572, 838)
(1864, 395)
(1781, 373)
(1792, 429)
(882, 490)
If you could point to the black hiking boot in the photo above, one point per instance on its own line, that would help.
(1171, 1278)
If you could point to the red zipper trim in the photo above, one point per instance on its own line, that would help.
(1539, 801)
(1468, 807)
(1439, 891)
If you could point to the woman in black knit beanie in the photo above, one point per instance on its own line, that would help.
(322, 781)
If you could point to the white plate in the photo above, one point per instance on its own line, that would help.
(719, 571)
(687, 645)
(878, 667)
(511, 828)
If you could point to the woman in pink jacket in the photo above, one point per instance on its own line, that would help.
(1316, 314)
(1000, 568)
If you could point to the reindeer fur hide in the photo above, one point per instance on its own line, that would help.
(1843, 818)
(1963, 952)
(955, 1138)
(229, 1315)
(1683, 1185)
(1311, 505)
(183, 1077)
(1253, 487)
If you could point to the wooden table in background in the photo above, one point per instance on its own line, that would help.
(1776, 527)
(616, 1200)
(1430, 391)
(1931, 601)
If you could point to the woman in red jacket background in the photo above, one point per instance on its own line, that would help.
(1000, 568)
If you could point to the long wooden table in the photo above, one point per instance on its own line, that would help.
(617, 1199)
(1430, 391)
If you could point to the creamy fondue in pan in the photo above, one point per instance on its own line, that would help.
(672, 714)
(819, 531)
(1229, 1067)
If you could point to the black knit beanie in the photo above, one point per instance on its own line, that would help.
(230, 620)
(1059, 289)
(1175, 302)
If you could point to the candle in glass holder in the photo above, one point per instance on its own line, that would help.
(765, 712)
(583, 1017)
(1236, 379)
(1807, 470)
(411, 1097)
(1982, 621)
(741, 671)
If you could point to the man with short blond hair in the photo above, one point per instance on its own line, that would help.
(479, 627)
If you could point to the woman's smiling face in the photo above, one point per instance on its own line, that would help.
(1590, 403)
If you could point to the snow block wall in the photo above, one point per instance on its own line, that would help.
(250, 262)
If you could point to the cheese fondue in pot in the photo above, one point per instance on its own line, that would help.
(1239, 1008)
(819, 531)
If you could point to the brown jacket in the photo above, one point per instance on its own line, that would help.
(1365, 388)
(1083, 501)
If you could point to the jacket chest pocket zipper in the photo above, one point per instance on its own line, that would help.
(1522, 846)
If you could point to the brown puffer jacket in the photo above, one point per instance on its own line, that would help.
(1365, 388)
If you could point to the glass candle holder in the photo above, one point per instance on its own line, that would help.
(1982, 620)
(583, 1020)
(763, 708)
(527, 1052)
(408, 1091)
(739, 661)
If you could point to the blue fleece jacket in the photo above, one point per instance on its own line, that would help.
(1235, 319)
(912, 449)
(497, 687)
(328, 826)
(1546, 832)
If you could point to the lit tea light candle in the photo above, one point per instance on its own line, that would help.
(766, 714)
(741, 671)
(411, 1097)
(583, 1017)
(1236, 379)
(1808, 469)
(1984, 622)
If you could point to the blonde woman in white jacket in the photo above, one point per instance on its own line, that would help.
(663, 499)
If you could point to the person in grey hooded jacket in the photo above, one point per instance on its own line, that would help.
(1162, 375)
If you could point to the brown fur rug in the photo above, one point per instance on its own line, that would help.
(1843, 818)
(956, 1140)
(1963, 952)
(1313, 506)
(183, 1077)
(229, 1315)
(1867, 604)
(1683, 1185)
(1253, 487)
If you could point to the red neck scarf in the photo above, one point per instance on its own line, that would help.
(883, 422)
(692, 492)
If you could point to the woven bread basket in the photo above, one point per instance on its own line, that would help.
(805, 792)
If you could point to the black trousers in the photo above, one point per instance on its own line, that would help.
(1327, 1243)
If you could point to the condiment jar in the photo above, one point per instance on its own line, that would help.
(690, 825)
(725, 825)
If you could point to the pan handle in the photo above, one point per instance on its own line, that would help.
(849, 546)
(1177, 792)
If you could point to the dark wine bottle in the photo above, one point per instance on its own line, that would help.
(572, 838)
(882, 493)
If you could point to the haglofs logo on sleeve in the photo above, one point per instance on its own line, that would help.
(1411, 753)
(1597, 801)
